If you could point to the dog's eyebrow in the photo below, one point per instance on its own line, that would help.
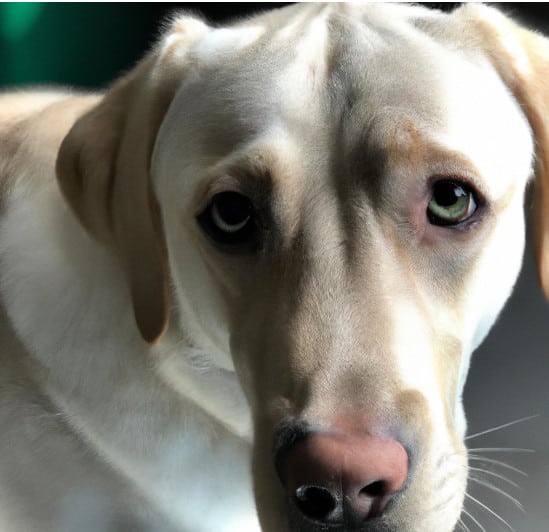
(384, 149)
(256, 166)
(249, 173)
(247, 170)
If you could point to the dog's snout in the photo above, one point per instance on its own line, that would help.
(343, 479)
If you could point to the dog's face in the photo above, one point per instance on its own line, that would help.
(336, 201)
(341, 194)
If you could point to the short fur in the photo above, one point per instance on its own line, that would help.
(146, 373)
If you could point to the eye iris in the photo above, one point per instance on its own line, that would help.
(450, 204)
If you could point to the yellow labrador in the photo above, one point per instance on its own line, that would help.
(242, 287)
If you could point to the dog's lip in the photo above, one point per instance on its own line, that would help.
(301, 523)
(285, 436)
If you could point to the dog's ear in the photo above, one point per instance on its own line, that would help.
(103, 171)
(521, 57)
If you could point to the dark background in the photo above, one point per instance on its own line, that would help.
(88, 45)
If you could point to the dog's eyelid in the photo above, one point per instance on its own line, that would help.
(215, 185)
(444, 162)
(225, 182)
(249, 175)
(459, 175)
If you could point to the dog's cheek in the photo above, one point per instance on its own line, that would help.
(200, 307)
(493, 275)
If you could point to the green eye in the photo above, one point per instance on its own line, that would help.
(451, 203)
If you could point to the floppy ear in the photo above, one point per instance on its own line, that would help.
(103, 171)
(521, 58)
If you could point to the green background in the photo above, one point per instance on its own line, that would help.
(86, 44)
(90, 44)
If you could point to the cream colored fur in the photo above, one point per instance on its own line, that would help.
(144, 372)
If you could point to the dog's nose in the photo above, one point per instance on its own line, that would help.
(341, 479)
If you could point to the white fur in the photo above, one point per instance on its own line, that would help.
(160, 437)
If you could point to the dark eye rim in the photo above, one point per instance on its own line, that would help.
(244, 240)
(473, 219)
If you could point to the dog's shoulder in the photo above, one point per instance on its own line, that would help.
(32, 126)
(45, 458)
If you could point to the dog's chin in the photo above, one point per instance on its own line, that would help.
(299, 523)
(393, 521)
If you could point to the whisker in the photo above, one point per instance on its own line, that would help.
(462, 525)
(501, 450)
(496, 475)
(476, 458)
(488, 509)
(474, 519)
(491, 486)
(505, 425)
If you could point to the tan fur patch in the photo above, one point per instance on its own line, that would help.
(522, 57)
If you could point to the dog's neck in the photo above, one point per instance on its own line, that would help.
(69, 302)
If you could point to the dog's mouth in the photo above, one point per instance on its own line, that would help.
(342, 519)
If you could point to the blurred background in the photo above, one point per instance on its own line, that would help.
(89, 45)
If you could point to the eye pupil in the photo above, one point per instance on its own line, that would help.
(447, 195)
(229, 221)
(232, 208)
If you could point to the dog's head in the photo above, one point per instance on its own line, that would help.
(335, 197)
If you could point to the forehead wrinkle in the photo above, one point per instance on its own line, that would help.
(322, 77)
(301, 87)
(344, 85)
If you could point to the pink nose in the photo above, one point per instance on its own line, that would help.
(343, 479)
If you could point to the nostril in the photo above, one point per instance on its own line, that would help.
(315, 502)
(375, 489)
(343, 479)
(372, 499)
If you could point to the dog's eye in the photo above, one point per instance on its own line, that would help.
(451, 203)
(229, 218)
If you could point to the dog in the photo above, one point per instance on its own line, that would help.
(241, 288)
